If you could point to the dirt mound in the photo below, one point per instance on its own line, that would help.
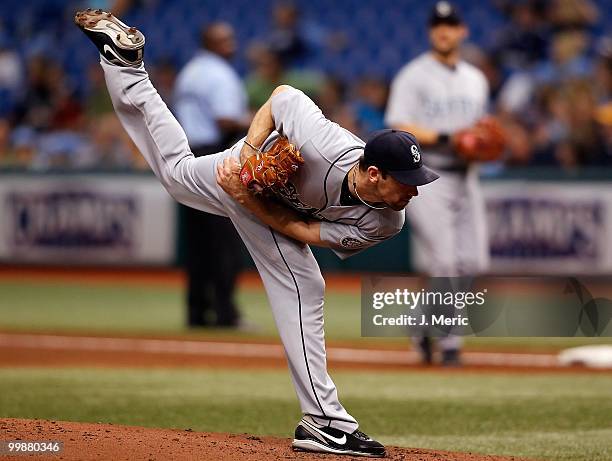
(86, 441)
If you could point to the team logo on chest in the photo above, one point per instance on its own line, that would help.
(289, 194)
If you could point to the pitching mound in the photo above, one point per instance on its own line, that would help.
(85, 441)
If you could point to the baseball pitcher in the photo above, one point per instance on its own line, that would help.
(297, 179)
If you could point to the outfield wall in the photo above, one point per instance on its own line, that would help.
(549, 225)
(86, 219)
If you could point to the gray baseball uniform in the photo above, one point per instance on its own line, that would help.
(427, 93)
(449, 221)
(290, 273)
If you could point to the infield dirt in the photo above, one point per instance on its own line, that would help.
(86, 441)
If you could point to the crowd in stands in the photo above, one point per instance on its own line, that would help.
(549, 68)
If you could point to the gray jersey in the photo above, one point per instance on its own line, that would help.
(290, 273)
(428, 93)
(329, 152)
(448, 220)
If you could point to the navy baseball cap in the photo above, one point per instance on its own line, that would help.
(398, 153)
(445, 13)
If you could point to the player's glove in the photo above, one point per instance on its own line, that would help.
(271, 169)
(483, 142)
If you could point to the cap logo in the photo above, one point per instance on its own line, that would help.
(443, 8)
(416, 155)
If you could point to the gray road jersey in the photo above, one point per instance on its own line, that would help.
(425, 92)
(290, 274)
(329, 152)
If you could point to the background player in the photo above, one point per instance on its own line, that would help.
(347, 196)
(435, 96)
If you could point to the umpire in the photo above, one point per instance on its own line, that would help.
(211, 104)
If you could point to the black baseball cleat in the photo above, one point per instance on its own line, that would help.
(309, 437)
(120, 44)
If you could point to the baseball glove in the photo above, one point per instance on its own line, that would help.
(271, 169)
(483, 142)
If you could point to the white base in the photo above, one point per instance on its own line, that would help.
(589, 356)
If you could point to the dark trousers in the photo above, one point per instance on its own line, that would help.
(213, 261)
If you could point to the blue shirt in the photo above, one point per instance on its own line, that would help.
(208, 89)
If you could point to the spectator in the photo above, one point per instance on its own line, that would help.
(164, 77)
(211, 105)
(63, 150)
(519, 148)
(586, 142)
(485, 63)
(11, 77)
(603, 117)
(37, 106)
(332, 100)
(20, 150)
(603, 71)
(268, 71)
(563, 118)
(372, 94)
(540, 52)
(98, 101)
(67, 112)
(551, 127)
(49, 102)
(568, 59)
(111, 147)
(6, 157)
(524, 40)
(572, 14)
(285, 38)
(603, 95)
(543, 83)
(297, 42)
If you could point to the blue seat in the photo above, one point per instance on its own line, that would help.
(383, 34)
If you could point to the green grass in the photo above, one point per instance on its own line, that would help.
(561, 417)
(146, 309)
(143, 309)
(547, 416)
